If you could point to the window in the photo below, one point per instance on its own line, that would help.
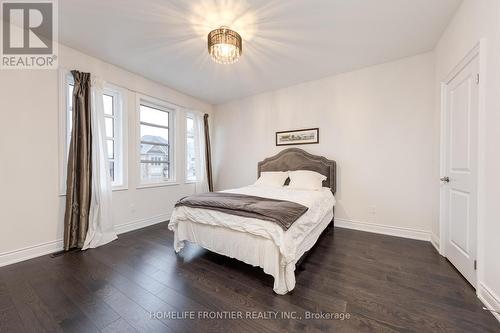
(156, 165)
(190, 150)
(114, 137)
(113, 120)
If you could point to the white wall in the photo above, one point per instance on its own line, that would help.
(377, 123)
(474, 20)
(31, 209)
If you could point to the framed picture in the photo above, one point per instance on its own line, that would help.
(297, 137)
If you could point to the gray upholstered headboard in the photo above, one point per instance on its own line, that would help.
(297, 159)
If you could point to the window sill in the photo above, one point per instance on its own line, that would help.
(190, 182)
(120, 188)
(114, 189)
(152, 185)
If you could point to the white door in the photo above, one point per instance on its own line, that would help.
(460, 178)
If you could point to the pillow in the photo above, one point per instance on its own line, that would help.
(272, 178)
(306, 180)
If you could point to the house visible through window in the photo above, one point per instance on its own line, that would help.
(113, 125)
(155, 148)
(190, 150)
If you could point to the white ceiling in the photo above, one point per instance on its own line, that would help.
(285, 42)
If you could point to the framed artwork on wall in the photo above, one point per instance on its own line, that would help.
(297, 137)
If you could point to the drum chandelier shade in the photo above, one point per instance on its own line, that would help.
(224, 45)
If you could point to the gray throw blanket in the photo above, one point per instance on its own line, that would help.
(282, 212)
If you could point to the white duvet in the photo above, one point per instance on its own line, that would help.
(319, 204)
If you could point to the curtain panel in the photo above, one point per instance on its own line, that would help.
(208, 154)
(101, 227)
(201, 184)
(79, 170)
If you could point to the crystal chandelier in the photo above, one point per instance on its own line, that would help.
(224, 45)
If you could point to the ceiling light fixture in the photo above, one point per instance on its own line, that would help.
(224, 45)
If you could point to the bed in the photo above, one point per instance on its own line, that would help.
(259, 242)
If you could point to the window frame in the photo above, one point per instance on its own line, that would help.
(189, 115)
(120, 143)
(65, 79)
(172, 111)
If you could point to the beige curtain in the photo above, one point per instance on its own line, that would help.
(79, 175)
(208, 154)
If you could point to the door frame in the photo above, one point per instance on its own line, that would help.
(479, 51)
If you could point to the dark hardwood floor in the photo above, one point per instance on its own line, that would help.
(385, 284)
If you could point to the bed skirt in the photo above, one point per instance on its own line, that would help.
(248, 248)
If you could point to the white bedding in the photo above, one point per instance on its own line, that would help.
(278, 247)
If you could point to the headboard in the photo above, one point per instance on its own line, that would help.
(297, 159)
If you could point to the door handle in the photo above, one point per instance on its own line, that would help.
(445, 179)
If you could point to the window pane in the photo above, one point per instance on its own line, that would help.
(108, 104)
(154, 116)
(69, 113)
(152, 172)
(190, 160)
(70, 124)
(154, 153)
(154, 134)
(190, 126)
(112, 170)
(109, 127)
(190, 150)
(111, 149)
(70, 96)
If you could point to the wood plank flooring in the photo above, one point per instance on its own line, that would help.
(385, 284)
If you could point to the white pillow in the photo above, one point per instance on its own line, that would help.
(272, 178)
(306, 180)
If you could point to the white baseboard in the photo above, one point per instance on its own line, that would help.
(485, 294)
(30, 252)
(141, 223)
(383, 229)
(489, 299)
(435, 242)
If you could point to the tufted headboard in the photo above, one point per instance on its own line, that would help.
(297, 159)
